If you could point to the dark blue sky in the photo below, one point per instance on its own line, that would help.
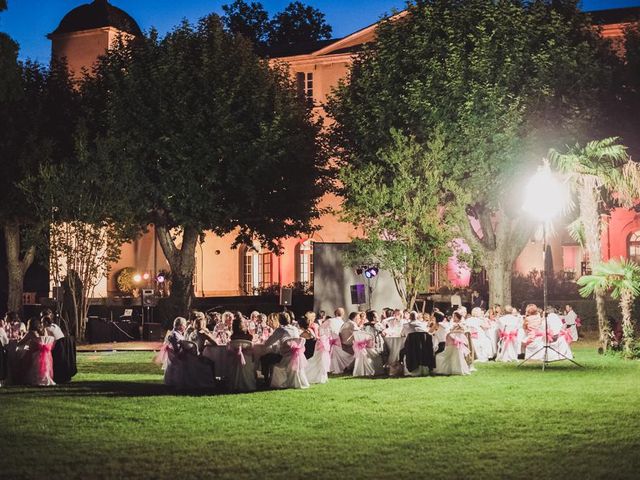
(28, 21)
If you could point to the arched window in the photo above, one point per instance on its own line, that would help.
(256, 269)
(633, 247)
(304, 262)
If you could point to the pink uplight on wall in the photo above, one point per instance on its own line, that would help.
(458, 272)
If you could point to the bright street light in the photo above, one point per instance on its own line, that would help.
(545, 196)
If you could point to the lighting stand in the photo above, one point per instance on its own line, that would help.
(546, 347)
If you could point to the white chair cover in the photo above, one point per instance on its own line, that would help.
(452, 361)
(563, 345)
(320, 364)
(242, 373)
(481, 344)
(367, 360)
(339, 359)
(290, 372)
(508, 345)
(534, 345)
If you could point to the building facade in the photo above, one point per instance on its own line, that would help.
(87, 31)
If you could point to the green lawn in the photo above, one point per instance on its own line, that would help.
(117, 420)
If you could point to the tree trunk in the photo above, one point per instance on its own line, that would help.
(626, 306)
(183, 263)
(497, 247)
(17, 265)
(590, 217)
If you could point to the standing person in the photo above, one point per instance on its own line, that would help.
(335, 323)
(456, 300)
(373, 327)
(571, 321)
(52, 328)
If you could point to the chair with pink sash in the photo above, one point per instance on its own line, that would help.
(367, 360)
(508, 345)
(481, 344)
(41, 369)
(240, 368)
(290, 372)
(320, 363)
(454, 360)
(339, 360)
(563, 344)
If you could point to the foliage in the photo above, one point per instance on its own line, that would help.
(84, 210)
(403, 205)
(115, 389)
(297, 23)
(485, 76)
(622, 279)
(528, 287)
(601, 176)
(248, 19)
(124, 280)
(215, 138)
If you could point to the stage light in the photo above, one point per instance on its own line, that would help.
(146, 276)
(137, 278)
(371, 272)
(160, 278)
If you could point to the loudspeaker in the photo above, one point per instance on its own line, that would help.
(285, 296)
(152, 332)
(358, 294)
(149, 298)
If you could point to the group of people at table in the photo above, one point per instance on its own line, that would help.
(285, 352)
(37, 353)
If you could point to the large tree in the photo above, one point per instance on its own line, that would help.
(500, 80)
(217, 139)
(248, 19)
(37, 121)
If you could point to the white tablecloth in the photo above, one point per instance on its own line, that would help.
(394, 344)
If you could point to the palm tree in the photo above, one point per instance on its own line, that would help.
(601, 176)
(622, 279)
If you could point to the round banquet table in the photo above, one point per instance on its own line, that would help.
(220, 356)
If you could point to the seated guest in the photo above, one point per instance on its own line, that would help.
(416, 324)
(308, 335)
(274, 343)
(214, 319)
(374, 328)
(4, 364)
(438, 331)
(310, 318)
(335, 324)
(346, 332)
(200, 335)
(37, 358)
(222, 332)
(253, 322)
(4, 337)
(239, 329)
(15, 328)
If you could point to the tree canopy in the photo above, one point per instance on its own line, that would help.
(297, 23)
(501, 81)
(217, 140)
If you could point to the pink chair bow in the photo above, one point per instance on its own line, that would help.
(549, 336)
(360, 346)
(566, 334)
(474, 335)
(578, 322)
(508, 337)
(44, 362)
(298, 360)
(334, 342)
(461, 344)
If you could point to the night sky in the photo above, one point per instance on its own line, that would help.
(28, 21)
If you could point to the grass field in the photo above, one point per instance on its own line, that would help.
(117, 420)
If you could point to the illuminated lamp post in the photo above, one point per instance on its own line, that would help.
(545, 198)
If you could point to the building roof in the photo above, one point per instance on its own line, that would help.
(302, 48)
(97, 14)
(615, 15)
